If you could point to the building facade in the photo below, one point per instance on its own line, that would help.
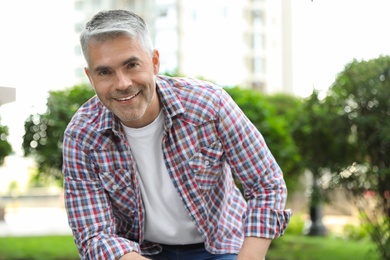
(245, 43)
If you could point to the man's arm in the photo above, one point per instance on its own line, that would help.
(261, 177)
(88, 206)
(132, 256)
(254, 248)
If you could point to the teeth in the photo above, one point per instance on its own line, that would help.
(127, 98)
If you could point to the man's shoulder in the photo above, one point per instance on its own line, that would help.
(199, 99)
(88, 118)
(190, 91)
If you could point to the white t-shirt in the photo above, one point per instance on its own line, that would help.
(166, 221)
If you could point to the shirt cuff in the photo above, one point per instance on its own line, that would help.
(110, 248)
(266, 222)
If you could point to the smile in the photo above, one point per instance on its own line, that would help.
(127, 98)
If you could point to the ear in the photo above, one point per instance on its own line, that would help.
(156, 61)
(88, 73)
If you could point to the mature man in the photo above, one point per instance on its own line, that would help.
(149, 161)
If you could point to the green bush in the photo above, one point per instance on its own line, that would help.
(296, 225)
(354, 232)
(5, 146)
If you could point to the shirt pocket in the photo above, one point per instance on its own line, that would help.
(82, 188)
(120, 188)
(79, 195)
(206, 165)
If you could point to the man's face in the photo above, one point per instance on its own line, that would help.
(123, 76)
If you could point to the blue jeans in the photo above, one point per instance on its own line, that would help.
(189, 254)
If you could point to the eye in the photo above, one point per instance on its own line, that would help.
(104, 72)
(132, 65)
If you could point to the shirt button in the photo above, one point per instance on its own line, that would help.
(115, 187)
(207, 163)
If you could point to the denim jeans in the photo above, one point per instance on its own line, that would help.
(190, 254)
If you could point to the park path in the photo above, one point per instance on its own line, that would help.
(34, 217)
(46, 215)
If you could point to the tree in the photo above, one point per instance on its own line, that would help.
(362, 91)
(43, 136)
(288, 107)
(322, 138)
(5, 146)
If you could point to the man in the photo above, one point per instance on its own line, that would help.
(149, 161)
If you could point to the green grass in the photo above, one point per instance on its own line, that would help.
(40, 247)
(288, 247)
(294, 247)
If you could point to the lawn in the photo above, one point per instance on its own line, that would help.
(288, 247)
(294, 247)
(40, 247)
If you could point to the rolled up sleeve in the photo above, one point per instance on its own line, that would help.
(255, 167)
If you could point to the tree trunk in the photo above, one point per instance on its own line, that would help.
(2, 213)
(316, 227)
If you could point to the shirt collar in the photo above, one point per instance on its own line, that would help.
(170, 101)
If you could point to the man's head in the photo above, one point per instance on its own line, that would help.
(122, 66)
(109, 24)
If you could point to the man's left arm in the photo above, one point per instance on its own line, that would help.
(254, 248)
(261, 177)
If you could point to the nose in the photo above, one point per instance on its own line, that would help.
(123, 81)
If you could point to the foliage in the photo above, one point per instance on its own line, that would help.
(362, 92)
(288, 107)
(5, 146)
(44, 132)
(322, 138)
(355, 232)
(296, 226)
(273, 127)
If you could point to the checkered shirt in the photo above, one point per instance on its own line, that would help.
(207, 140)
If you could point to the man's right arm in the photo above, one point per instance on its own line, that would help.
(89, 209)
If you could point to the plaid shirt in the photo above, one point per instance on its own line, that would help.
(207, 138)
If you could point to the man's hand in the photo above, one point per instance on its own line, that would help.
(254, 248)
(132, 256)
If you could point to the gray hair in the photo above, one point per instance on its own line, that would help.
(107, 25)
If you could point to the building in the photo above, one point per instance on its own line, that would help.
(246, 43)
(7, 95)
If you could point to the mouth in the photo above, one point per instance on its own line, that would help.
(126, 98)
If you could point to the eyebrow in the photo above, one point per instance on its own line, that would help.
(127, 61)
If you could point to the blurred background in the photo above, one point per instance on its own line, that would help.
(273, 46)
(267, 46)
